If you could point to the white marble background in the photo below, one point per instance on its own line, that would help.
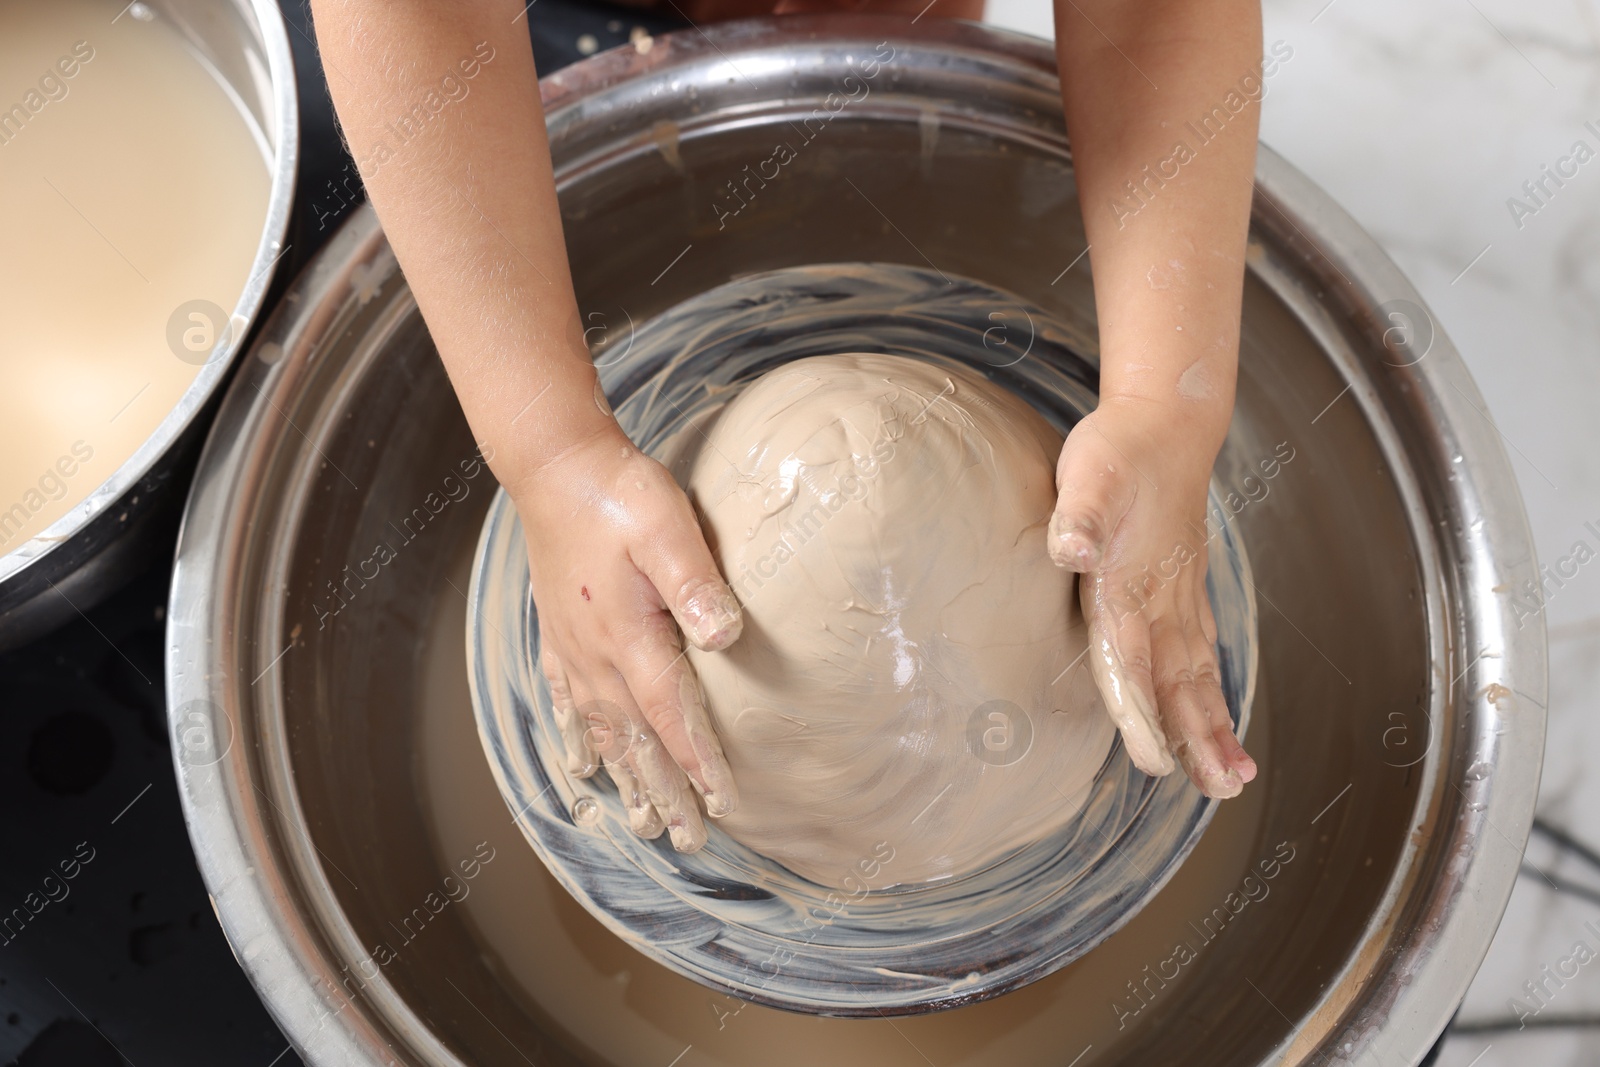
(1422, 119)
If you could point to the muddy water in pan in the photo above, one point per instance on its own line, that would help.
(134, 190)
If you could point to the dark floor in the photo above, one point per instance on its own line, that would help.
(116, 948)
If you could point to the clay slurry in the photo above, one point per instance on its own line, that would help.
(135, 191)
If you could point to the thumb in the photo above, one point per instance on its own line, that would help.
(1096, 489)
(680, 566)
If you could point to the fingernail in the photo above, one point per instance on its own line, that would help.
(645, 822)
(581, 760)
(1228, 784)
(1073, 546)
(643, 819)
(685, 838)
(1212, 776)
(715, 780)
(713, 615)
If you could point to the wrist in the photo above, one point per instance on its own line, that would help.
(533, 462)
(1176, 377)
(1190, 427)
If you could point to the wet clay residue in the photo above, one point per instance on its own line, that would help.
(912, 668)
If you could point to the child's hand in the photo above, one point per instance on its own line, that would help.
(1131, 519)
(618, 565)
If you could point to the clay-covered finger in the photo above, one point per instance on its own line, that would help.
(609, 729)
(1119, 658)
(664, 685)
(1208, 679)
(680, 566)
(582, 759)
(667, 788)
(607, 726)
(659, 777)
(1184, 714)
(642, 817)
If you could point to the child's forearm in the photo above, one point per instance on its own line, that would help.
(440, 105)
(1164, 165)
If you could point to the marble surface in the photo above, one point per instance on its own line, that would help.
(1424, 120)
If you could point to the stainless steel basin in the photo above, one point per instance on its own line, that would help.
(1404, 706)
(84, 555)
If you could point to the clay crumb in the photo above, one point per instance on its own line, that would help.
(1494, 692)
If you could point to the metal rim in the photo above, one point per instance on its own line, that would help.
(1495, 663)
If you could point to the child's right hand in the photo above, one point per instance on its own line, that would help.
(618, 566)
